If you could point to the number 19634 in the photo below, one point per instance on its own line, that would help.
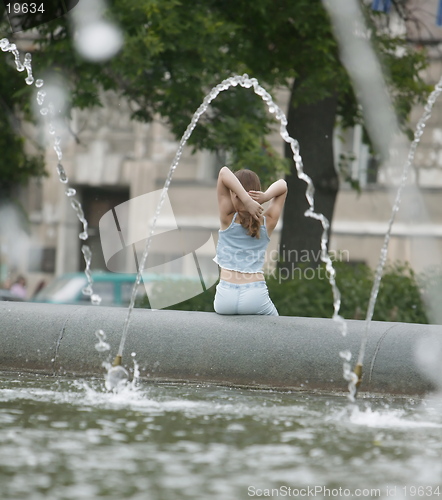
(24, 8)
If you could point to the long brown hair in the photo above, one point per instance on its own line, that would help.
(250, 182)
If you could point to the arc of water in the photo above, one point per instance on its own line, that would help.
(6, 46)
(245, 82)
(383, 254)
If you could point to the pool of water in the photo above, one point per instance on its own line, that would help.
(70, 439)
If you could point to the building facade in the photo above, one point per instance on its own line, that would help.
(111, 160)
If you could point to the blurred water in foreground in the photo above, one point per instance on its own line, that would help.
(66, 439)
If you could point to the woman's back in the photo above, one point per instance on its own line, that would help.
(238, 251)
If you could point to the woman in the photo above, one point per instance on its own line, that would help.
(243, 239)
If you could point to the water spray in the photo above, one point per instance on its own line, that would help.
(383, 255)
(48, 110)
(350, 29)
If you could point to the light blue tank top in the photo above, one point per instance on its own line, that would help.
(237, 251)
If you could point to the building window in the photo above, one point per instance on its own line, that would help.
(355, 163)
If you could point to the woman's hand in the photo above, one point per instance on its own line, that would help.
(258, 196)
(253, 207)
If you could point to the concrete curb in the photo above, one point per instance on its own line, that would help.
(267, 352)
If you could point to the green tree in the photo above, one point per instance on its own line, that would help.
(175, 51)
(16, 164)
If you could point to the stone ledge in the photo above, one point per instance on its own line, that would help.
(286, 353)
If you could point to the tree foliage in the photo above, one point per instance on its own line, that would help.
(16, 163)
(175, 51)
(401, 295)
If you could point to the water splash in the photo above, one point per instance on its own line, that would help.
(136, 376)
(116, 378)
(245, 82)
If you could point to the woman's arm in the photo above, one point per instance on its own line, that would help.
(278, 188)
(227, 181)
(276, 194)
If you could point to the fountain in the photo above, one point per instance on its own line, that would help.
(117, 373)
(260, 414)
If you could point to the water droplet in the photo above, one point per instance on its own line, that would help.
(28, 56)
(62, 174)
(98, 40)
(51, 129)
(133, 354)
(58, 151)
(70, 192)
(76, 205)
(43, 111)
(86, 250)
(18, 63)
(83, 235)
(95, 299)
(30, 80)
(101, 336)
(39, 83)
(4, 44)
(102, 346)
(345, 355)
(41, 94)
(87, 290)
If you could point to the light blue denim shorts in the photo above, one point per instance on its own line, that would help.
(243, 298)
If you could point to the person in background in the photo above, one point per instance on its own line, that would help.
(18, 288)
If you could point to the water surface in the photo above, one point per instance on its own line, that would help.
(70, 439)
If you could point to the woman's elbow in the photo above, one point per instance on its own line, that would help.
(224, 170)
